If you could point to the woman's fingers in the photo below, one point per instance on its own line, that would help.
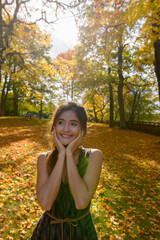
(75, 143)
(57, 143)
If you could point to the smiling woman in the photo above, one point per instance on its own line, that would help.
(67, 178)
(67, 127)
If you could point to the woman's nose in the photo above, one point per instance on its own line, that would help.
(66, 127)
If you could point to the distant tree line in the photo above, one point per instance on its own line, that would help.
(113, 71)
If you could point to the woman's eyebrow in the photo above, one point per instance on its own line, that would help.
(72, 120)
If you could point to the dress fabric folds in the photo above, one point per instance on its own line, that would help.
(49, 228)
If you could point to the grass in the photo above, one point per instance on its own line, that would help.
(126, 203)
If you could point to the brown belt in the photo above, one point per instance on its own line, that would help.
(71, 222)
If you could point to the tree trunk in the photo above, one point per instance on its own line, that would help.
(120, 88)
(72, 87)
(134, 106)
(111, 118)
(157, 62)
(2, 101)
(4, 94)
(95, 114)
(116, 115)
(40, 112)
(1, 41)
(131, 118)
(15, 100)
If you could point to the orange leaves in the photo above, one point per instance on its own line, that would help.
(19, 149)
(125, 205)
(126, 199)
(111, 238)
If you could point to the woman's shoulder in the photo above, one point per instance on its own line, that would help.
(43, 156)
(96, 157)
(93, 153)
(96, 153)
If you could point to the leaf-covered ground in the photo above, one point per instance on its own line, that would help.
(126, 203)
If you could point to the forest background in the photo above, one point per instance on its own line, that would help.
(114, 70)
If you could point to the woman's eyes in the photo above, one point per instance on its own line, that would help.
(60, 122)
(74, 124)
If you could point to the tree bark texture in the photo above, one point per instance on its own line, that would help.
(41, 109)
(111, 119)
(15, 100)
(120, 88)
(157, 62)
(94, 110)
(4, 94)
(1, 40)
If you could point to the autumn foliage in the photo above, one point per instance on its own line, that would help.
(125, 205)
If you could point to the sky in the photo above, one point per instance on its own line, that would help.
(63, 32)
(63, 35)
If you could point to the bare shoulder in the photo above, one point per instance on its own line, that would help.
(41, 158)
(96, 155)
(42, 167)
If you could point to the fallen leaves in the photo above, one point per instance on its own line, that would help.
(125, 205)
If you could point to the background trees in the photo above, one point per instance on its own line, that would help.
(26, 70)
(113, 70)
(116, 34)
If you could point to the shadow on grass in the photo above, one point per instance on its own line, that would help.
(21, 138)
(14, 129)
(129, 184)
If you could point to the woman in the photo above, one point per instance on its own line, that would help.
(67, 179)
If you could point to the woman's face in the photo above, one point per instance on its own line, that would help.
(67, 127)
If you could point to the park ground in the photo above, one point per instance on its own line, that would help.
(126, 203)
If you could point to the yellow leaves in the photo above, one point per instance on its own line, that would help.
(124, 180)
(9, 237)
(12, 230)
(101, 191)
(1, 205)
(9, 170)
(156, 29)
(127, 194)
(102, 20)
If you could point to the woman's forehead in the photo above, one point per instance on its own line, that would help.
(70, 115)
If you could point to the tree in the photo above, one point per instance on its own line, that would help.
(146, 15)
(103, 32)
(23, 69)
(64, 65)
(96, 82)
(110, 32)
(14, 13)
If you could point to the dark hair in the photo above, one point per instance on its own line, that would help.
(82, 116)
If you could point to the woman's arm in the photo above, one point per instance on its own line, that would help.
(84, 189)
(48, 186)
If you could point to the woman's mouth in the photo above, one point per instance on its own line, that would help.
(66, 136)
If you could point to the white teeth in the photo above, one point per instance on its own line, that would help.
(65, 136)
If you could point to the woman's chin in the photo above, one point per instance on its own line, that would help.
(65, 144)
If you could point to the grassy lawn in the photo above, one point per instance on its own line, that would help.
(126, 203)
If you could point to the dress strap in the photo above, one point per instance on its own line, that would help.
(70, 221)
(87, 152)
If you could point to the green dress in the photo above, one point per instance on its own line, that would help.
(64, 221)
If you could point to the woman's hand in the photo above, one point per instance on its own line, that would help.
(74, 144)
(58, 144)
